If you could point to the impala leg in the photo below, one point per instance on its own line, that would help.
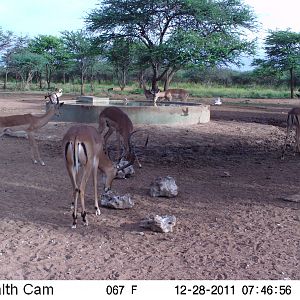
(83, 183)
(34, 149)
(76, 193)
(73, 177)
(95, 173)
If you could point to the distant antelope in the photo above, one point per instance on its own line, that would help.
(292, 121)
(54, 97)
(169, 94)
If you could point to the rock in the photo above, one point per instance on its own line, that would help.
(159, 223)
(127, 172)
(292, 198)
(112, 200)
(164, 187)
(226, 174)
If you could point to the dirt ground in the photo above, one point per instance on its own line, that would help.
(231, 220)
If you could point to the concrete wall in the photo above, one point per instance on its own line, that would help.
(139, 115)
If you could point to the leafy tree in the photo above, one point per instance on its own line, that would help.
(51, 48)
(176, 33)
(25, 64)
(282, 54)
(80, 47)
(6, 39)
(120, 54)
(17, 43)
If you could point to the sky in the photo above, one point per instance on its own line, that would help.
(50, 17)
(34, 17)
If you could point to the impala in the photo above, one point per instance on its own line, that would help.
(292, 121)
(116, 120)
(54, 97)
(30, 123)
(169, 94)
(148, 94)
(84, 149)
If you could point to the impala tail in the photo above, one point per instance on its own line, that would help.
(76, 154)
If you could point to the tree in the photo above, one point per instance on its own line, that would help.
(25, 64)
(282, 54)
(17, 44)
(176, 33)
(50, 47)
(6, 39)
(120, 55)
(82, 51)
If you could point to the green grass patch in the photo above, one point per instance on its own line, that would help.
(195, 90)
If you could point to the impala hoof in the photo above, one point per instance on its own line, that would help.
(74, 226)
(35, 161)
(98, 213)
(43, 164)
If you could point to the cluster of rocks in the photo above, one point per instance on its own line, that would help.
(160, 187)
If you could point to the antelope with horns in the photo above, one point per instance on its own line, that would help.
(83, 149)
(169, 94)
(30, 124)
(292, 121)
(116, 120)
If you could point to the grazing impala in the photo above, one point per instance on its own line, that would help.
(169, 94)
(292, 121)
(29, 123)
(116, 120)
(83, 148)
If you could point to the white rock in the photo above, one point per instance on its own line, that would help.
(159, 223)
(112, 200)
(164, 187)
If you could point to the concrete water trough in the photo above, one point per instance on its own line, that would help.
(87, 110)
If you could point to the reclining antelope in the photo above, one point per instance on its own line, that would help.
(83, 148)
(292, 121)
(30, 124)
(169, 94)
(116, 120)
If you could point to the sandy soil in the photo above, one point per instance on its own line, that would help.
(231, 220)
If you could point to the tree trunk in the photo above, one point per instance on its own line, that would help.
(5, 79)
(82, 84)
(292, 82)
(168, 79)
(154, 77)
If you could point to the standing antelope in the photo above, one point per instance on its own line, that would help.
(169, 94)
(54, 97)
(117, 120)
(30, 123)
(292, 121)
(148, 94)
(83, 148)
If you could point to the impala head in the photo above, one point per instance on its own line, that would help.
(128, 155)
(54, 97)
